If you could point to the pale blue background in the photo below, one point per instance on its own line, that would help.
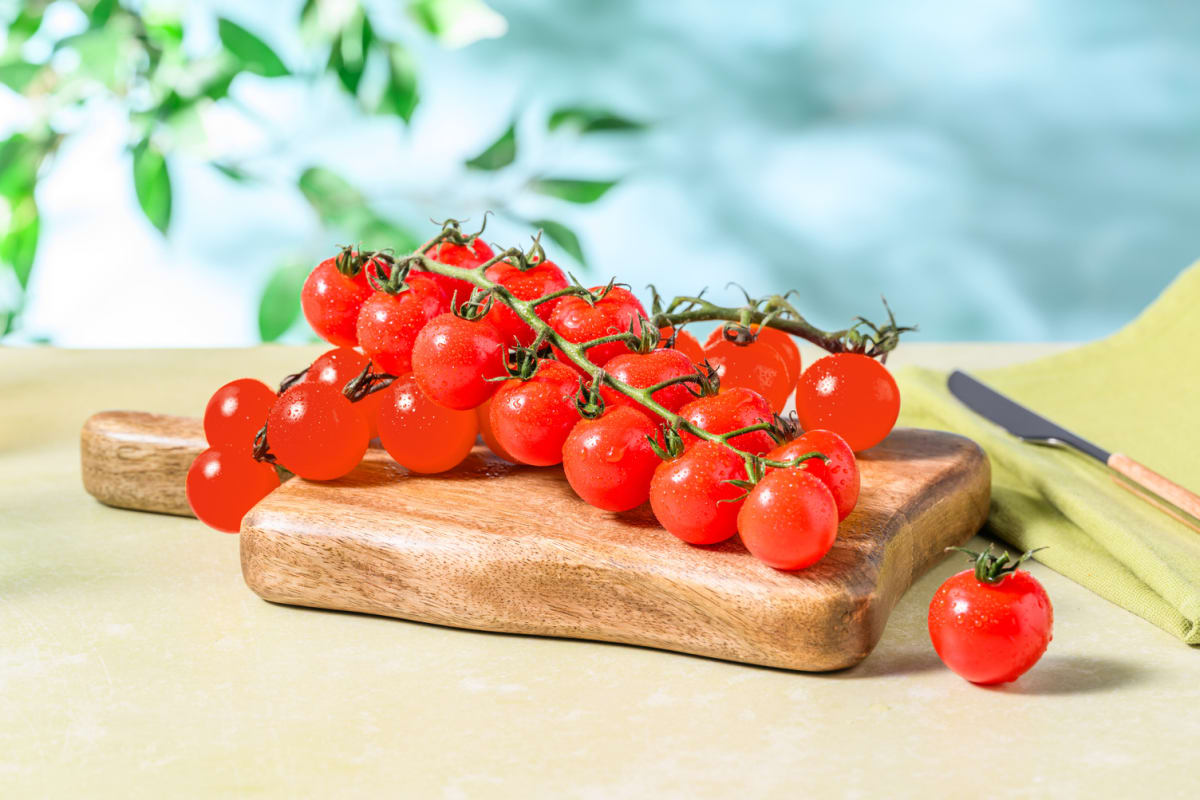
(1000, 169)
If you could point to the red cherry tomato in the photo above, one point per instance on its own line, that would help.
(732, 410)
(789, 521)
(691, 495)
(331, 302)
(337, 368)
(642, 370)
(580, 321)
(755, 366)
(539, 280)
(453, 359)
(850, 394)
(222, 486)
(609, 461)
(992, 623)
(235, 413)
(315, 432)
(684, 342)
(389, 323)
(420, 434)
(483, 415)
(777, 340)
(457, 255)
(840, 473)
(531, 419)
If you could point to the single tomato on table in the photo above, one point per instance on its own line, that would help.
(992, 622)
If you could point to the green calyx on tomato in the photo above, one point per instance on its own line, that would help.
(992, 567)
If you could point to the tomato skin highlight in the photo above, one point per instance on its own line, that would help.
(840, 473)
(991, 633)
(337, 368)
(457, 290)
(453, 359)
(755, 366)
(222, 486)
(579, 321)
(789, 521)
(331, 302)
(850, 394)
(691, 497)
(421, 435)
(541, 279)
(730, 411)
(235, 413)
(315, 432)
(609, 461)
(389, 323)
(532, 419)
(643, 370)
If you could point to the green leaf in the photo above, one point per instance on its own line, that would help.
(17, 75)
(232, 172)
(253, 52)
(590, 120)
(26, 23)
(457, 23)
(279, 306)
(563, 236)
(348, 54)
(100, 13)
(19, 244)
(20, 158)
(400, 96)
(572, 189)
(331, 196)
(499, 153)
(152, 182)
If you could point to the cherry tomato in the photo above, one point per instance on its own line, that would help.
(789, 521)
(389, 323)
(840, 473)
(990, 624)
(315, 432)
(453, 359)
(331, 302)
(754, 366)
(732, 410)
(775, 339)
(337, 368)
(531, 419)
(684, 342)
(222, 486)
(691, 495)
(483, 415)
(539, 280)
(642, 370)
(456, 255)
(850, 394)
(580, 321)
(609, 461)
(235, 413)
(420, 434)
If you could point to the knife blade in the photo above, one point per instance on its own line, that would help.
(1015, 418)
(1155, 489)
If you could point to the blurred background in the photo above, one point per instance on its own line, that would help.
(1001, 169)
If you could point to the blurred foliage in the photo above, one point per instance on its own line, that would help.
(134, 55)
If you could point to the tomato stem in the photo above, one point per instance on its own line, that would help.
(993, 567)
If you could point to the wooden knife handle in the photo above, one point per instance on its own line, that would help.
(131, 459)
(1158, 488)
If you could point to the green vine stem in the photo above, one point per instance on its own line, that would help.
(776, 312)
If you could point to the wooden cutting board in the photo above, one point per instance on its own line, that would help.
(498, 547)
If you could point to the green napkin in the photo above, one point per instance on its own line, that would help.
(1136, 392)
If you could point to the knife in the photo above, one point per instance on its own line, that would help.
(1167, 496)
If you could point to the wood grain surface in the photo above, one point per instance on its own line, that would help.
(497, 547)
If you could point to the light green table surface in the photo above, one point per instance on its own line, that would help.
(135, 663)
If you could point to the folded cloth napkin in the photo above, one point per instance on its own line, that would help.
(1136, 392)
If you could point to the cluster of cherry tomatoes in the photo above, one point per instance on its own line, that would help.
(693, 429)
